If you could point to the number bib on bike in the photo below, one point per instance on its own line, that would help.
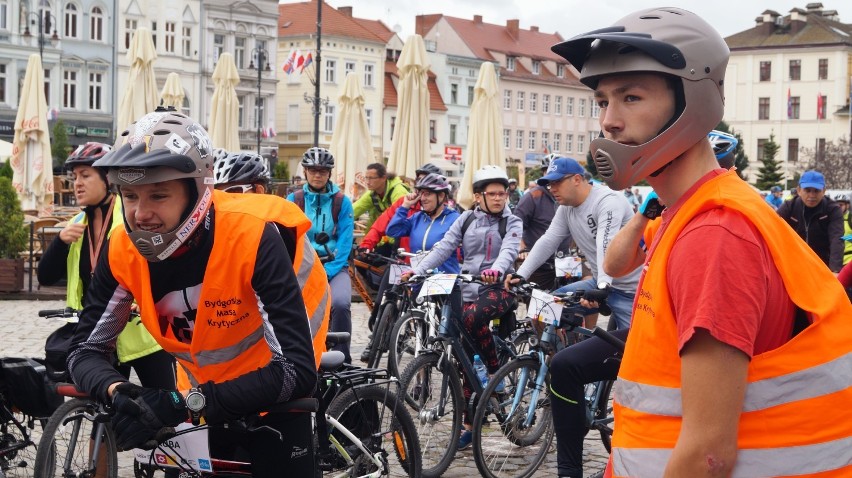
(438, 284)
(190, 449)
(544, 308)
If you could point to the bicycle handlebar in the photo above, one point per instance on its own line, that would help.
(61, 313)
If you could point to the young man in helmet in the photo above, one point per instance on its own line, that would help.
(331, 234)
(214, 277)
(700, 393)
(489, 235)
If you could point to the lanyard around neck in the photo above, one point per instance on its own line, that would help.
(95, 250)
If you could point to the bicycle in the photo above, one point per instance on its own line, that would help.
(513, 429)
(431, 382)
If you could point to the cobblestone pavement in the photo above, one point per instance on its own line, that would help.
(23, 334)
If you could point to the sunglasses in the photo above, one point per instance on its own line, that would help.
(239, 188)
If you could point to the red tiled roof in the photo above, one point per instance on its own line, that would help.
(436, 103)
(377, 27)
(301, 19)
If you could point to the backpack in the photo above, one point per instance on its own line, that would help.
(501, 228)
(336, 204)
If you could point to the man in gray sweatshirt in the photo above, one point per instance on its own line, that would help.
(592, 215)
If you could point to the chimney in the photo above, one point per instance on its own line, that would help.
(769, 19)
(798, 20)
(513, 26)
(815, 7)
(534, 29)
(477, 19)
(346, 11)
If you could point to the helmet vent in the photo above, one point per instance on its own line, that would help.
(650, 17)
(171, 121)
(161, 132)
(144, 247)
(603, 165)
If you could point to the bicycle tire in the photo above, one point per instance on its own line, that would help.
(380, 335)
(16, 463)
(510, 449)
(603, 412)
(401, 342)
(422, 385)
(54, 445)
(404, 460)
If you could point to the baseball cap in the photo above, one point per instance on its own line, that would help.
(812, 179)
(560, 168)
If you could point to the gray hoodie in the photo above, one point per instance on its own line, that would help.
(482, 245)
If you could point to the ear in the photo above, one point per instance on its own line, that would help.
(260, 188)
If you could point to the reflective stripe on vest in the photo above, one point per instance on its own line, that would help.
(795, 418)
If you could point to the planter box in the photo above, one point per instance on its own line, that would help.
(11, 275)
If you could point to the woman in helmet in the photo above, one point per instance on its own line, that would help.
(330, 212)
(490, 236)
(74, 254)
(215, 279)
(241, 172)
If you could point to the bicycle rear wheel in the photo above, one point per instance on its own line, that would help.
(66, 444)
(379, 419)
(381, 333)
(409, 335)
(603, 412)
(18, 457)
(506, 442)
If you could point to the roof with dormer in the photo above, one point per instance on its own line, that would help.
(818, 28)
(300, 19)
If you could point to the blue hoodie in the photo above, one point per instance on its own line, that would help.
(424, 232)
(318, 210)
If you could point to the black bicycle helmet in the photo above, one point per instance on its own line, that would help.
(87, 154)
(433, 182)
(427, 168)
(241, 168)
(318, 158)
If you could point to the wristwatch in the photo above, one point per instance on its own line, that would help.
(195, 403)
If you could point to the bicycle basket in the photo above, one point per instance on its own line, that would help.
(27, 387)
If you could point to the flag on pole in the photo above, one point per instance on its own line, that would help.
(545, 150)
(820, 106)
(290, 64)
(300, 61)
(308, 60)
(789, 105)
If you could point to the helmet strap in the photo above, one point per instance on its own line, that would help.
(676, 84)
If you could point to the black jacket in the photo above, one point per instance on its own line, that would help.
(820, 227)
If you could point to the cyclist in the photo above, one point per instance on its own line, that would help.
(696, 357)
(330, 212)
(515, 194)
(489, 235)
(228, 309)
(247, 172)
(385, 189)
(74, 253)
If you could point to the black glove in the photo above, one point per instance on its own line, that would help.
(131, 433)
(152, 408)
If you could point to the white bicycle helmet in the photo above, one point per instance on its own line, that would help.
(487, 175)
(318, 158)
(241, 168)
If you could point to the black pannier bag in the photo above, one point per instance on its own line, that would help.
(25, 385)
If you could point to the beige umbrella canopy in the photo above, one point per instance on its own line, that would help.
(32, 161)
(224, 108)
(172, 94)
(485, 140)
(410, 144)
(351, 143)
(140, 92)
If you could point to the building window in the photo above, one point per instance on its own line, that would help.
(507, 133)
(557, 142)
(433, 136)
(792, 150)
(569, 106)
(184, 106)
(129, 29)
(47, 86)
(531, 141)
(560, 71)
(241, 105)
(507, 99)
(763, 108)
(795, 70)
(96, 90)
(368, 113)
(454, 93)
(453, 128)
(519, 139)
(70, 21)
(392, 125)
(96, 24)
(293, 117)
(69, 89)
(154, 33)
(187, 41)
(330, 72)
(533, 102)
(218, 46)
(3, 78)
(761, 142)
(328, 124)
(545, 104)
(545, 142)
(821, 106)
(823, 69)
(536, 67)
(471, 94)
(4, 15)
(765, 70)
(596, 110)
(581, 110)
(348, 67)
(510, 63)
(520, 101)
(569, 142)
(557, 105)
(240, 53)
(260, 104)
(368, 76)
(795, 104)
(581, 146)
(171, 32)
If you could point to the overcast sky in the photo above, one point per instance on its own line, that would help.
(572, 17)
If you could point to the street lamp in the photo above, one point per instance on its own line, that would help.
(262, 56)
(44, 19)
(317, 104)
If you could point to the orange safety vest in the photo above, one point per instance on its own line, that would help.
(796, 418)
(242, 348)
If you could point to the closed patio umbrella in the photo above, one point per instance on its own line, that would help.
(224, 108)
(140, 92)
(485, 140)
(32, 160)
(172, 94)
(351, 143)
(410, 143)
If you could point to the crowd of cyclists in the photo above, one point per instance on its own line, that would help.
(236, 288)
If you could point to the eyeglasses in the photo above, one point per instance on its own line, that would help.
(317, 171)
(239, 188)
(555, 184)
(495, 194)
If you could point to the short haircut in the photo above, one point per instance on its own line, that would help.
(379, 168)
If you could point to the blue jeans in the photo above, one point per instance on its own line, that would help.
(621, 302)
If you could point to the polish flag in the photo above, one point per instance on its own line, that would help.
(300, 60)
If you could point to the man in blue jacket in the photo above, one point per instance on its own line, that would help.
(331, 234)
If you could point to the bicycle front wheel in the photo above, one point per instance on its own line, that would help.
(382, 424)
(513, 429)
(407, 338)
(68, 441)
(17, 450)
